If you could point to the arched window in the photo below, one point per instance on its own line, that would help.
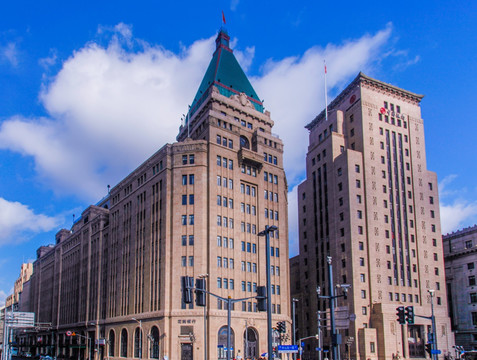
(138, 343)
(124, 343)
(222, 343)
(111, 342)
(154, 343)
(244, 143)
(250, 343)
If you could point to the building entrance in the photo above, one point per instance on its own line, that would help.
(187, 351)
(416, 341)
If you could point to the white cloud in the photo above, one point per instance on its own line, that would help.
(18, 222)
(458, 213)
(293, 89)
(9, 54)
(111, 106)
(293, 222)
(3, 297)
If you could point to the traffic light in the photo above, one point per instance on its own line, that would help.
(410, 314)
(261, 298)
(429, 348)
(281, 327)
(200, 298)
(400, 315)
(187, 284)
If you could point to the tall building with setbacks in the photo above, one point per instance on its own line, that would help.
(370, 204)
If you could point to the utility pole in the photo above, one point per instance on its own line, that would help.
(266, 233)
(204, 276)
(294, 301)
(433, 319)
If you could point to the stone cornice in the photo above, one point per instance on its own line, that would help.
(366, 81)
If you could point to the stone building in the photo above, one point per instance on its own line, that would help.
(193, 208)
(370, 203)
(460, 257)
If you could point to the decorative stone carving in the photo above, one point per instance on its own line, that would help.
(242, 99)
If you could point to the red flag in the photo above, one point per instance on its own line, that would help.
(223, 17)
(325, 69)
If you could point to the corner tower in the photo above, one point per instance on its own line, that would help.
(240, 188)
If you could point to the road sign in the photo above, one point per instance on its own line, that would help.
(287, 348)
(326, 351)
(69, 333)
(302, 344)
(20, 319)
(437, 352)
(318, 349)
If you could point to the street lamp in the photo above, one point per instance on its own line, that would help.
(96, 325)
(335, 337)
(140, 336)
(433, 319)
(266, 233)
(204, 276)
(294, 301)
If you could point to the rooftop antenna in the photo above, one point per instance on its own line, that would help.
(73, 219)
(109, 187)
(188, 123)
(326, 94)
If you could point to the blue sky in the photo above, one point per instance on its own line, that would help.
(90, 89)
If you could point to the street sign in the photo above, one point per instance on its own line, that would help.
(437, 352)
(326, 351)
(318, 349)
(302, 344)
(69, 333)
(20, 319)
(287, 348)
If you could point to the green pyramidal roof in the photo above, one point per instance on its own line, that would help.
(225, 73)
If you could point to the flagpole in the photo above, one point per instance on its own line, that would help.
(326, 95)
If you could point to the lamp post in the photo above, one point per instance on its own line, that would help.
(335, 337)
(294, 301)
(433, 319)
(140, 336)
(205, 276)
(96, 325)
(266, 233)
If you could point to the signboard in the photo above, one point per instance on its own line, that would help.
(287, 348)
(318, 349)
(20, 319)
(437, 352)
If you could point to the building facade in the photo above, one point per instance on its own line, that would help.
(194, 208)
(370, 204)
(460, 256)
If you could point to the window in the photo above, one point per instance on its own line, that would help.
(191, 159)
(361, 261)
(472, 280)
(219, 283)
(191, 219)
(356, 168)
(468, 244)
(184, 220)
(184, 261)
(470, 266)
(361, 245)
(363, 294)
(362, 278)
(184, 240)
(184, 159)
(191, 261)
(473, 298)
(184, 179)
(191, 199)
